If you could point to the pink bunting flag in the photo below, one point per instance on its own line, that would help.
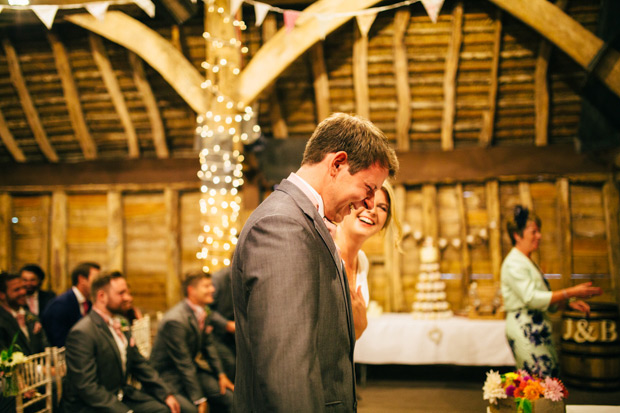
(290, 17)
(433, 7)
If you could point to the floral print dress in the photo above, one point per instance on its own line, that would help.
(528, 329)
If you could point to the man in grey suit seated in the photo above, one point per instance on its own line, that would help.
(184, 353)
(293, 316)
(100, 356)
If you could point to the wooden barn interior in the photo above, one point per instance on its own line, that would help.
(496, 103)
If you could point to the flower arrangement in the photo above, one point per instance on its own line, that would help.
(9, 358)
(523, 387)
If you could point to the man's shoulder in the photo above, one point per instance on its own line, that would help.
(176, 313)
(60, 303)
(43, 294)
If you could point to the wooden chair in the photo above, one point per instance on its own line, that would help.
(59, 371)
(141, 332)
(35, 375)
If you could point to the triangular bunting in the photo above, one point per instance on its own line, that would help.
(98, 10)
(147, 6)
(323, 23)
(1, 8)
(234, 6)
(260, 10)
(46, 14)
(433, 7)
(290, 17)
(364, 21)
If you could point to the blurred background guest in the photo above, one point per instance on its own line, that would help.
(528, 298)
(37, 299)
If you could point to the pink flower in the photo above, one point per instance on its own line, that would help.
(554, 391)
(510, 391)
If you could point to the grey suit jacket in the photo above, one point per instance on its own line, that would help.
(294, 331)
(177, 344)
(94, 370)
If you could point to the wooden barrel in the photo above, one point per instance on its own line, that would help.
(590, 347)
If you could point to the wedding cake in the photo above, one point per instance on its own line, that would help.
(430, 298)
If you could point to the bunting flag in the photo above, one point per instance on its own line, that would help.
(98, 10)
(323, 22)
(46, 14)
(364, 21)
(234, 6)
(260, 10)
(1, 8)
(290, 17)
(147, 6)
(433, 7)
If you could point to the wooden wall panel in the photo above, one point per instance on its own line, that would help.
(87, 231)
(190, 230)
(6, 242)
(146, 248)
(30, 230)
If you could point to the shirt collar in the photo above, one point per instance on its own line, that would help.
(78, 294)
(309, 191)
(198, 310)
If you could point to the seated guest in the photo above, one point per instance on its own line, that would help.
(223, 321)
(66, 309)
(100, 356)
(184, 342)
(36, 298)
(15, 319)
(130, 312)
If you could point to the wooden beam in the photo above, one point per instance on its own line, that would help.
(430, 218)
(72, 97)
(477, 164)
(44, 245)
(32, 116)
(495, 238)
(173, 272)
(360, 63)
(488, 117)
(278, 124)
(465, 253)
(320, 82)
(286, 46)
(58, 248)
(111, 82)
(6, 240)
(564, 226)
(567, 34)
(9, 141)
(160, 54)
(611, 200)
(152, 110)
(401, 72)
(116, 238)
(449, 80)
(392, 264)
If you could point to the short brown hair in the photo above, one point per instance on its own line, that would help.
(102, 282)
(520, 217)
(364, 143)
(192, 278)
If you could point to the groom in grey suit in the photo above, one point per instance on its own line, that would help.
(294, 323)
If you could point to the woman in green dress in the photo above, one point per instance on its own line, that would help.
(528, 298)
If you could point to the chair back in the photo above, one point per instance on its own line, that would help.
(60, 369)
(141, 332)
(34, 377)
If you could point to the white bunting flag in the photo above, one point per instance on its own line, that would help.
(98, 10)
(260, 10)
(1, 8)
(46, 14)
(433, 7)
(234, 6)
(147, 6)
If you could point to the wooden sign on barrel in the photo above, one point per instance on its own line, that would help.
(590, 350)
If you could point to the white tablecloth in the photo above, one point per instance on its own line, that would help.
(397, 338)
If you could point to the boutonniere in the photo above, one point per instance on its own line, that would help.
(37, 327)
(208, 328)
(125, 325)
(132, 342)
(30, 318)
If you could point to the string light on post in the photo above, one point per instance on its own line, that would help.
(221, 131)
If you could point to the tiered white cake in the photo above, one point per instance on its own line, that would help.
(430, 295)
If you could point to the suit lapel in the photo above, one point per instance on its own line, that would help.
(22, 341)
(105, 332)
(310, 210)
(189, 313)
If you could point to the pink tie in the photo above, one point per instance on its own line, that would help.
(31, 304)
(21, 320)
(116, 325)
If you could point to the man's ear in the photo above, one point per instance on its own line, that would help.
(339, 160)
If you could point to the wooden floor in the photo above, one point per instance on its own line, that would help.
(443, 389)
